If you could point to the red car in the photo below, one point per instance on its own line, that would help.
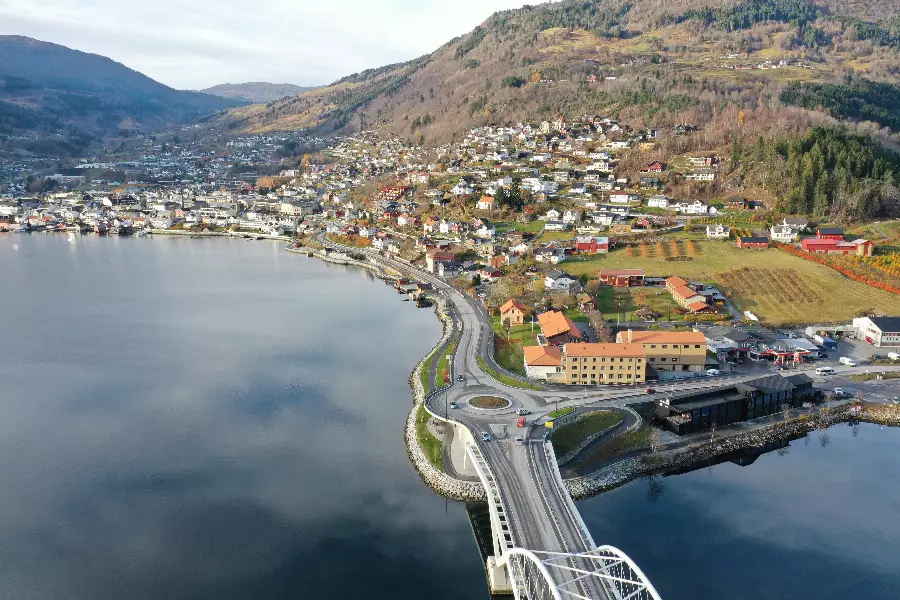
(649, 391)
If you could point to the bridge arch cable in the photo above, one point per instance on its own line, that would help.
(603, 573)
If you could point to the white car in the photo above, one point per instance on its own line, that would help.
(838, 391)
(520, 441)
(713, 372)
(522, 411)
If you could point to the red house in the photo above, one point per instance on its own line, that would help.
(654, 167)
(588, 244)
(829, 234)
(755, 243)
(622, 277)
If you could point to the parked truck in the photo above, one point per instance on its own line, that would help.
(825, 341)
(847, 361)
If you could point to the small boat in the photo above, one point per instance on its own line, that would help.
(22, 229)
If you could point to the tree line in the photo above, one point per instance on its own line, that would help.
(862, 100)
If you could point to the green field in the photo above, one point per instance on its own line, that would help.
(509, 354)
(568, 437)
(810, 293)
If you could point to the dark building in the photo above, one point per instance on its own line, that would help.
(691, 412)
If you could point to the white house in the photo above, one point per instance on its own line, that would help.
(552, 215)
(692, 208)
(658, 201)
(549, 254)
(557, 226)
(783, 233)
(463, 188)
(620, 198)
(701, 176)
(485, 232)
(718, 231)
(571, 216)
(542, 362)
(560, 281)
(486, 203)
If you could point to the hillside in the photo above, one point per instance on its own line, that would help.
(47, 90)
(256, 92)
(660, 63)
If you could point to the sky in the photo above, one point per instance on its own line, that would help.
(194, 45)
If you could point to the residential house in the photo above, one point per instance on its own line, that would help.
(685, 296)
(622, 277)
(620, 198)
(696, 207)
(649, 183)
(434, 257)
(486, 203)
(592, 364)
(783, 233)
(515, 311)
(552, 215)
(658, 201)
(560, 281)
(736, 203)
(558, 329)
(549, 254)
(542, 362)
(571, 216)
(557, 226)
(798, 224)
(585, 303)
(753, 242)
(448, 269)
(654, 167)
(669, 350)
(879, 331)
(718, 231)
(701, 175)
(589, 244)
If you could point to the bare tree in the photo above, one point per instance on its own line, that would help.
(656, 440)
(507, 325)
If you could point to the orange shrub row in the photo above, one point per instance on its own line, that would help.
(839, 268)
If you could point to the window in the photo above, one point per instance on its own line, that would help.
(696, 345)
(686, 346)
(665, 345)
(595, 359)
(593, 368)
(652, 359)
(653, 345)
(630, 360)
(628, 376)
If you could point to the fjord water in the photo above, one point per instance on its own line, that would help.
(218, 419)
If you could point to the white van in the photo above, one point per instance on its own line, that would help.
(713, 372)
(824, 371)
(846, 361)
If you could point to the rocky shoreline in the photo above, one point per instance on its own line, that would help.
(671, 461)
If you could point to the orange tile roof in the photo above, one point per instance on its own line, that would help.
(510, 304)
(684, 291)
(542, 356)
(616, 350)
(662, 337)
(676, 281)
(554, 323)
(697, 306)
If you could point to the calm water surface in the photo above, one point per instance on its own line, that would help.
(215, 419)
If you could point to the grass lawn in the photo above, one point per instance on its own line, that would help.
(569, 437)
(492, 402)
(431, 446)
(443, 369)
(575, 314)
(509, 354)
(778, 287)
(561, 412)
(504, 379)
(425, 373)
(555, 236)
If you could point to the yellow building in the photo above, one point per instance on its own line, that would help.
(592, 364)
(669, 350)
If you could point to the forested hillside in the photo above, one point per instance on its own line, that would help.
(256, 92)
(54, 100)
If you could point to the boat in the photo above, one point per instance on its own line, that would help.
(22, 229)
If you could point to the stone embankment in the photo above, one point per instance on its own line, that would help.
(670, 461)
(440, 482)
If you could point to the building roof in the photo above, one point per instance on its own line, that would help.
(830, 231)
(542, 356)
(697, 306)
(662, 337)
(684, 291)
(676, 281)
(753, 240)
(554, 323)
(510, 304)
(621, 272)
(616, 350)
(891, 324)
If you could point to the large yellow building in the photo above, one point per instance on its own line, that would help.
(592, 364)
(669, 350)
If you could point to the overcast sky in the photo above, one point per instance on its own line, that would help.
(193, 45)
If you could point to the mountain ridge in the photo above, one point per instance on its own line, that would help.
(48, 89)
(257, 92)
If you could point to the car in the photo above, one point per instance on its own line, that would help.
(485, 436)
(520, 440)
(822, 355)
(522, 411)
(453, 404)
(649, 390)
(713, 372)
(895, 400)
(460, 377)
(838, 392)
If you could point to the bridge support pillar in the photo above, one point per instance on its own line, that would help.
(498, 576)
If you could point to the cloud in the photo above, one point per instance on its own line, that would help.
(195, 46)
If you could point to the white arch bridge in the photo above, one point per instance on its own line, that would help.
(542, 515)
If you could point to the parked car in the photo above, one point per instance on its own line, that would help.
(649, 390)
(485, 436)
(713, 372)
(895, 400)
(839, 392)
(523, 411)
(822, 355)
(460, 377)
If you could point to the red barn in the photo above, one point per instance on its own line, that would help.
(830, 234)
(827, 246)
(755, 243)
(588, 244)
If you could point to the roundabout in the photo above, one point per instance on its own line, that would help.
(489, 402)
